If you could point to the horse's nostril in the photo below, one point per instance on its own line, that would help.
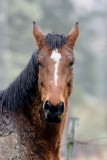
(58, 109)
(47, 106)
(61, 107)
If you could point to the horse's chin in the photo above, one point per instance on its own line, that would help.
(51, 119)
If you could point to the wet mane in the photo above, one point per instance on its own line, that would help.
(21, 92)
(55, 40)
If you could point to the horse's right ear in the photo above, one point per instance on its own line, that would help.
(38, 35)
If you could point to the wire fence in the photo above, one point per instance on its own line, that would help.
(75, 146)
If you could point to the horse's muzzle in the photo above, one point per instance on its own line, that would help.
(54, 114)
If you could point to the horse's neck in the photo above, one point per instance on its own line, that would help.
(34, 137)
(36, 134)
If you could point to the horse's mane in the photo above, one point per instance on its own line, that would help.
(21, 92)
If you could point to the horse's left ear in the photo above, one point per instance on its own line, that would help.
(38, 35)
(73, 35)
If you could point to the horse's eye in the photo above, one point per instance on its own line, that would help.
(71, 63)
(39, 63)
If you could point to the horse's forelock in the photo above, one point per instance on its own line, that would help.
(55, 40)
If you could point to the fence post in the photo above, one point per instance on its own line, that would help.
(71, 137)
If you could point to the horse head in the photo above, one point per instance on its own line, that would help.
(55, 77)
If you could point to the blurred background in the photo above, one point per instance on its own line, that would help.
(88, 101)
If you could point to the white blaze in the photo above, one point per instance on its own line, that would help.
(56, 57)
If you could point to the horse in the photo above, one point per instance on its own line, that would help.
(34, 106)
